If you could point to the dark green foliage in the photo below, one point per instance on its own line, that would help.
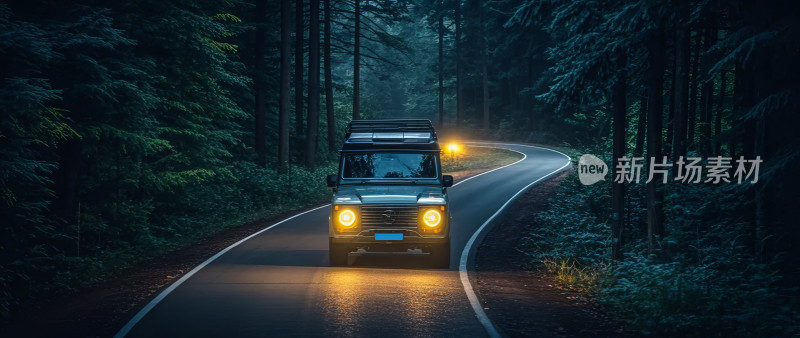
(724, 262)
(31, 129)
(123, 136)
(707, 285)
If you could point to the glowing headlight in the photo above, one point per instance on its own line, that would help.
(347, 218)
(432, 218)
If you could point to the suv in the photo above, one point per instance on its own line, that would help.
(390, 194)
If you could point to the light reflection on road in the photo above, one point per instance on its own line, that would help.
(418, 300)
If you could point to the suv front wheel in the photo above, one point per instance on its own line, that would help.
(337, 253)
(440, 255)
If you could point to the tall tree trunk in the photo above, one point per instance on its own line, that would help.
(511, 92)
(755, 85)
(707, 95)
(441, 67)
(619, 104)
(298, 68)
(743, 102)
(515, 97)
(762, 82)
(736, 111)
(283, 114)
(485, 85)
(692, 118)
(329, 79)
(260, 79)
(746, 101)
(666, 146)
(357, 63)
(762, 224)
(681, 84)
(530, 99)
(313, 85)
(655, 82)
(66, 182)
(485, 73)
(459, 80)
(723, 82)
(641, 127)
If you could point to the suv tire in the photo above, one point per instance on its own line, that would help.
(337, 253)
(440, 255)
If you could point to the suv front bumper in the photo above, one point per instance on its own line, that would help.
(411, 240)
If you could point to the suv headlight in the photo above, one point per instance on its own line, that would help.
(346, 219)
(431, 219)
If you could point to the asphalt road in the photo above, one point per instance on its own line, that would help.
(279, 283)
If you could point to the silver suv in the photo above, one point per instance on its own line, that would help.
(390, 194)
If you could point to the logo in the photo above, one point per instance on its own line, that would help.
(389, 216)
(591, 169)
(692, 169)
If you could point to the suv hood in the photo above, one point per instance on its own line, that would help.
(379, 194)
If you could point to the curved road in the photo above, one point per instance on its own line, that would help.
(279, 283)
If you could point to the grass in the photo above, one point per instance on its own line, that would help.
(569, 272)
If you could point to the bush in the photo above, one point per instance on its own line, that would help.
(704, 281)
(143, 229)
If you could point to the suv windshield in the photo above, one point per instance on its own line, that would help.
(389, 165)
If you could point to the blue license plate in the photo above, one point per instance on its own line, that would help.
(389, 237)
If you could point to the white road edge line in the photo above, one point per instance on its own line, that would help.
(462, 266)
(127, 328)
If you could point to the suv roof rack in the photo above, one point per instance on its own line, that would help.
(397, 133)
(398, 125)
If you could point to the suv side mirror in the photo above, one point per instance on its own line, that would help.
(331, 179)
(447, 181)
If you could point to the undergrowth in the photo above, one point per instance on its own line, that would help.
(702, 281)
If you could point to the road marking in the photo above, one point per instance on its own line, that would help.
(462, 266)
(127, 328)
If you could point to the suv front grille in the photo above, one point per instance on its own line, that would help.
(389, 216)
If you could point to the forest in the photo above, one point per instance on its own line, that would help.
(133, 128)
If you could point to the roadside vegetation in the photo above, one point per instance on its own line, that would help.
(667, 81)
(704, 281)
(242, 192)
